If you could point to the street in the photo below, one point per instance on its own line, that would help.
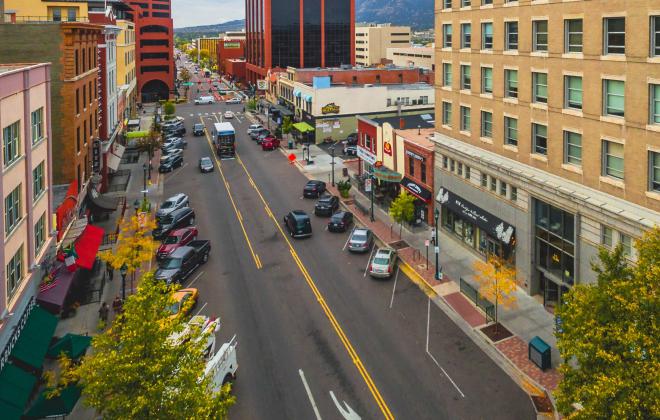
(316, 336)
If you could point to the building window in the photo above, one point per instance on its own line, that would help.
(38, 180)
(654, 106)
(465, 118)
(573, 92)
(486, 80)
(445, 162)
(446, 36)
(14, 272)
(540, 87)
(511, 36)
(486, 2)
(37, 119)
(467, 172)
(466, 35)
(411, 166)
(613, 97)
(466, 3)
(493, 184)
(78, 140)
(447, 4)
(539, 139)
(555, 241)
(654, 171)
(614, 35)
(626, 242)
(446, 74)
(71, 14)
(573, 35)
(503, 188)
(77, 101)
(486, 124)
(460, 168)
(11, 143)
(606, 236)
(514, 194)
(57, 14)
(540, 35)
(465, 77)
(573, 148)
(484, 180)
(452, 165)
(487, 36)
(422, 173)
(655, 36)
(612, 159)
(39, 234)
(511, 131)
(446, 113)
(13, 209)
(511, 83)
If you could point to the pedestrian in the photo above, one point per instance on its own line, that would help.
(433, 236)
(110, 271)
(117, 305)
(103, 312)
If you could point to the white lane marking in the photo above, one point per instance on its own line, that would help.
(201, 309)
(369, 261)
(192, 115)
(309, 394)
(396, 277)
(428, 327)
(348, 239)
(195, 279)
(347, 412)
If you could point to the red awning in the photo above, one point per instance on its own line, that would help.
(87, 245)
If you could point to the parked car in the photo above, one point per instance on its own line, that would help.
(350, 150)
(361, 240)
(175, 240)
(170, 163)
(298, 224)
(169, 152)
(175, 220)
(234, 100)
(174, 121)
(198, 129)
(326, 206)
(263, 137)
(313, 189)
(176, 142)
(351, 140)
(175, 202)
(204, 100)
(383, 262)
(254, 128)
(184, 302)
(176, 129)
(206, 164)
(270, 143)
(228, 115)
(183, 262)
(254, 135)
(340, 221)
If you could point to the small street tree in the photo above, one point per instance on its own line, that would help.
(150, 143)
(136, 371)
(497, 282)
(135, 245)
(287, 126)
(169, 109)
(609, 338)
(403, 209)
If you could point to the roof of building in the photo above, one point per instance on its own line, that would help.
(405, 121)
(6, 68)
(420, 137)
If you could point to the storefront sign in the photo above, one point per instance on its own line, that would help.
(232, 45)
(96, 156)
(416, 189)
(262, 84)
(16, 334)
(387, 148)
(495, 226)
(366, 155)
(415, 155)
(330, 109)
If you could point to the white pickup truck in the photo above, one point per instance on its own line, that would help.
(223, 365)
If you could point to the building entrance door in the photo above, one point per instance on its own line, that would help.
(552, 292)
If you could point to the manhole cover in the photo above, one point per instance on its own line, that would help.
(399, 244)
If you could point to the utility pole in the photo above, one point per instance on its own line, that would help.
(438, 268)
(371, 194)
(332, 151)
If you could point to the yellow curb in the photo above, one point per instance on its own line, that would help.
(417, 279)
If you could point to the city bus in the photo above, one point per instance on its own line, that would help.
(224, 140)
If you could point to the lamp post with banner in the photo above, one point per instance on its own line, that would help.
(438, 268)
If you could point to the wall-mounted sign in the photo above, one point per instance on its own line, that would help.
(414, 155)
(387, 148)
(262, 84)
(416, 189)
(331, 108)
(232, 45)
(96, 156)
(366, 155)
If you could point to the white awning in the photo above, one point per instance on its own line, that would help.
(113, 161)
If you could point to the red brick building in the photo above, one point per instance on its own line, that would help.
(361, 76)
(418, 174)
(231, 58)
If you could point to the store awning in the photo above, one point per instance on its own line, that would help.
(32, 344)
(52, 296)
(133, 123)
(384, 174)
(61, 405)
(16, 385)
(136, 134)
(87, 245)
(73, 345)
(113, 161)
(417, 189)
(103, 202)
(308, 98)
(297, 93)
(303, 127)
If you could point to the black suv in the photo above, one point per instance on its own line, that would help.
(198, 130)
(314, 189)
(298, 224)
(340, 221)
(175, 220)
(326, 206)
(169, 164)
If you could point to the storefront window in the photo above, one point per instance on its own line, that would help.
(555, 243)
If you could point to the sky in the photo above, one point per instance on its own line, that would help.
(206, 12)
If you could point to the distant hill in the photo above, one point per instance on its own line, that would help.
(232, 25)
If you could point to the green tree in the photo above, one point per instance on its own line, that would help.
(151, 142)
(136, 371)
(252, 104)
(169, 108)
(497, 282)
(204, 55)
(287, 126)
(610, 338)
(403, 209)
(192, 53)
(135, 244)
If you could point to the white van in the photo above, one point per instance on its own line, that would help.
(205, 100)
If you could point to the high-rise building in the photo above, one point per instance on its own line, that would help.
(284, 33)
(548, 132)
(372, 42)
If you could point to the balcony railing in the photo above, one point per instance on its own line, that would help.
(9, 18)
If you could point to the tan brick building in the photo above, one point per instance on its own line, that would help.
(372, 42)
(548, 116)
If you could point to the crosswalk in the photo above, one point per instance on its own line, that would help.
(218, 115)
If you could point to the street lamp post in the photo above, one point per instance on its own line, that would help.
(123, 270)
(438, 268)
(371, 194)
(144, 190)
(332, 152)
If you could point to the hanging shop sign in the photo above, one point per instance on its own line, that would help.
(331, 108)
(96, 156)
(416, 189)
(366, 155)
(262, 84)
(414, 155)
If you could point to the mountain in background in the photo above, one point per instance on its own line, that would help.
(232, 25)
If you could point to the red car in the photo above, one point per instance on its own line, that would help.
(270, 143)
(176, 239)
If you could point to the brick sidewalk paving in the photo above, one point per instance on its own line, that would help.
(516, 351)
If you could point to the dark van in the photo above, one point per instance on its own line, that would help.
(298, 224)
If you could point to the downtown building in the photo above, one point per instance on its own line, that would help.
(283, 33)
(372, 42)
(547, 132)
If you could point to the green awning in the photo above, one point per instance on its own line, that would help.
(136, 134)
(56, 406)
(387, 175)
(73, 345)
(15, 388)
(35, 337)
(303, 127)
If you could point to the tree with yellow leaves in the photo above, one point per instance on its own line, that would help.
(497, 282)
(135, 245)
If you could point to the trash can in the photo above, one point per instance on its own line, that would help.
(290, 144)
(539, 353)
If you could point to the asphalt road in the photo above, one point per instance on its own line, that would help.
(309, 323)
